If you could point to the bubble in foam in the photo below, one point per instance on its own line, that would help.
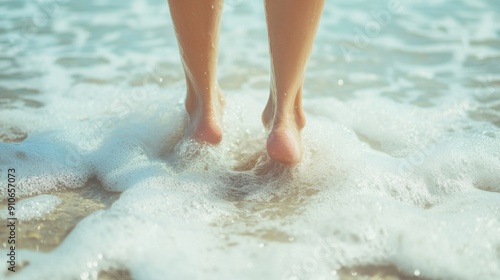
(42, 163)
(33, 208)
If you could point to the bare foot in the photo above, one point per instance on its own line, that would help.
(205, 118)
(284, 142)
(284, 145)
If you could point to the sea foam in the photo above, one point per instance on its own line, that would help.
(401, 160)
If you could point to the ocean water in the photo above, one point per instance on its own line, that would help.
(400, 177)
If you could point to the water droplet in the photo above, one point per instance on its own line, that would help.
(84, 275)
(340, 82)
(489, 134)
(212, 7)
(370, 234)
(416, 272)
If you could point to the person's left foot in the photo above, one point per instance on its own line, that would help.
(205, 118)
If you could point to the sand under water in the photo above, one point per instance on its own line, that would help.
(400, 177)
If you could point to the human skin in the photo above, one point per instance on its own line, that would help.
(196, 24)
(292, 26)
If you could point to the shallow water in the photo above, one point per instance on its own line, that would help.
(401, 169)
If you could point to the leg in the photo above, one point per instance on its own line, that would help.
(292, 26)
(197, 24)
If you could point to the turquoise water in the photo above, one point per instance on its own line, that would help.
(401, 165)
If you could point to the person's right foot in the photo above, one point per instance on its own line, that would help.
(284, 142)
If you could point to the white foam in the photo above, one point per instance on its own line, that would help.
(33, 208)
(399, 169)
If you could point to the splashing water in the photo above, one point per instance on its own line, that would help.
(400, 172)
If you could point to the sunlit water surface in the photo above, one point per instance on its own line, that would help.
(401, 168)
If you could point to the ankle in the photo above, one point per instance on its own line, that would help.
(203, 100)
(293, 118)
(278, 114)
